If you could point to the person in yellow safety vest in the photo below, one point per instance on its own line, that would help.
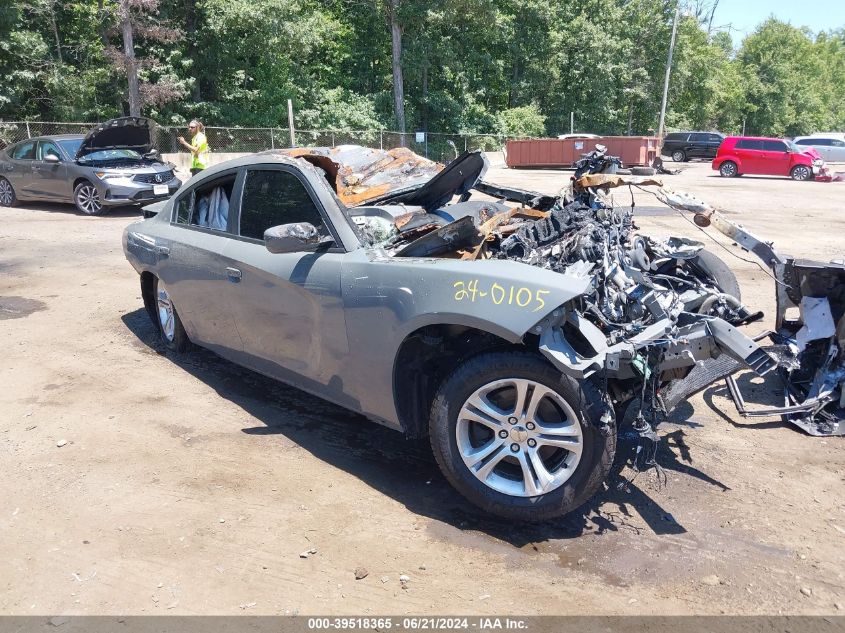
(198, 146)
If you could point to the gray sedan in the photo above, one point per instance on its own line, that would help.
(112, 165)
(510, 335)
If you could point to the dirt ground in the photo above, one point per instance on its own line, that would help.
(186, 485)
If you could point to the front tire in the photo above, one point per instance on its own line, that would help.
(728, 169)
(169, 324)
(801, 172)
(518, 439)
(679, 156)
(7, 194)
(87, 198)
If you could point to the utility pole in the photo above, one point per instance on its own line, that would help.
(572, 122)
(290, 123)
(660, 128)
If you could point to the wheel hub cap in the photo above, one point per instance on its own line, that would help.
(519, 437)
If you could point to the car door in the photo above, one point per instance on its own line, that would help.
(19, 169)
(749, 152)
(777, 158)
(712, 145)
(193, 265)
(49, 178)
(288, 306)
(836, 151)
(696, 145)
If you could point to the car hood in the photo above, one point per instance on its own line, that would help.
(363, 175)
(811, 153)
(135, 133)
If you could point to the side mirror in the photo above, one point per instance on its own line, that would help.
(297, 237)
(51, 158)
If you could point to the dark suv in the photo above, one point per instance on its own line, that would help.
(682, 146)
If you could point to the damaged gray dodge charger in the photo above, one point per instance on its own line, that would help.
(424, 298)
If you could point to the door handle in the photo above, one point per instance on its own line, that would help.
(234, 274)
(164, 251)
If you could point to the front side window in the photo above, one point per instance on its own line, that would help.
(24, 151)
(774, 146)
(273, 197)
(698, 138)
(48, 148)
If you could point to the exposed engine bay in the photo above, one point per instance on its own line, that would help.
(659, 319)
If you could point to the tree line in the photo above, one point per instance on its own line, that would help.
(511, 67)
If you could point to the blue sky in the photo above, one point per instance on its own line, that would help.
(745, 15)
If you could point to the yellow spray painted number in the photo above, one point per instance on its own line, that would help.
(519, 296)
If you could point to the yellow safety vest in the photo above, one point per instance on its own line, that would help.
(198, 141)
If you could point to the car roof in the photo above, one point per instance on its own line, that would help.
(52, 137)
(756, 138)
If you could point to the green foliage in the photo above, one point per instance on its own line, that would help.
(503, 67)
(524, 121)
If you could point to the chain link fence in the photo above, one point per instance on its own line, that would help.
(436, 146)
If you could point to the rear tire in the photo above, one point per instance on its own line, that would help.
(801, 172)
(7, 194)
(513, 461)
(728, 169)
(87, 199)
(679, 156)
(169, 324)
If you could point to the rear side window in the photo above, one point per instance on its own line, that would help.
(676, 136)
(835, 142)
(804, 141)
(715, 138)
(818, 142)
(273, 197)
(207, 205)
(774, 146)
(747, 143)
(24, 151)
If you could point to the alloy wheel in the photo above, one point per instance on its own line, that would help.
(166, 316)
(88, 199)
(728, 169)
(678, 156)
(519, 437)
(7, 195)
(801, 173)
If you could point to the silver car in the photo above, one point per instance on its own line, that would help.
(830, 146)
(112, 165)
(510, 334)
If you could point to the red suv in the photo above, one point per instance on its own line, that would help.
(739, 155)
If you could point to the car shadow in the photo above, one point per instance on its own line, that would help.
(127, 211)
(406, 471)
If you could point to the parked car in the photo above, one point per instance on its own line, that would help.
(111, 165)
(350, 273)
(683, 146)
(831, 147)
(740, 155)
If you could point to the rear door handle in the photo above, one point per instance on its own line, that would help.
(234, 274)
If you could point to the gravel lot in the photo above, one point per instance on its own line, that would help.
(139, 482)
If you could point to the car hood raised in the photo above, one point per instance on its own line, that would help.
(135, 133)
